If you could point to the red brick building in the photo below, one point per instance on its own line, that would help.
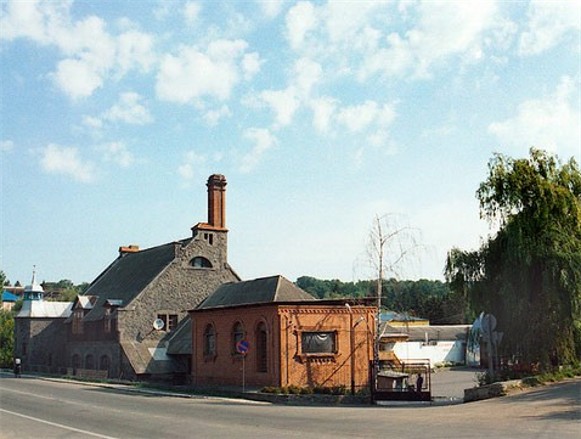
(293, 339)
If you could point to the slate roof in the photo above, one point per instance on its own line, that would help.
(128, 276)
(273, 289)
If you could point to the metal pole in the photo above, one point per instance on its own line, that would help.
(352, 343)
(243, 373)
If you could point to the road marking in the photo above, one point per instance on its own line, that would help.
(54, 424)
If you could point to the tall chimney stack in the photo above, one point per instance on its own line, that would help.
(217, 201)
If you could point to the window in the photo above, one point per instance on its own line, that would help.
(200, 262)
(78, 321)
(318, 343)
(170, 321)
(76, 361)
(237, 335)
(261, 348)
(107, 320)
(104, 362)
(89, 362)
(209, 237)
(209, 341)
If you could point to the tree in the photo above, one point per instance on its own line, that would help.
(528, 274)
(6, 338)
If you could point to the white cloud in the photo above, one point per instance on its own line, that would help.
(77, 78)
(549, 24)
(64, 160)
(6, 145)
(307, 73)
(251, 63)
(270, 8)
(323, 110)
(361, 38)
(358, 118)
(212, 117)
(194, 166)
(191, 12)
(135, 49)
(32, 19)
(263, 140)
(130, 109)
(90, 53)
(92, 122)
(192, 74)
(284, 103)
(551, 123)
(117, 152)
(300, 19)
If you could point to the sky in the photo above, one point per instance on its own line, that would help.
(322, 115)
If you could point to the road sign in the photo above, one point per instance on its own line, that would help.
(242, 347)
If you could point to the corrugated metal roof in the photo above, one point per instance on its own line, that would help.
(42, 309)
(263, 290)
(7, 296)
(419, 333)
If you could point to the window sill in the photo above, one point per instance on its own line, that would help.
(317, 358)
(210, 358)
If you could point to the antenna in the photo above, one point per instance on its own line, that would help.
(158, 324)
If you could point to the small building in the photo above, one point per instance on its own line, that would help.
(8, 300)
(40, 332)
(440, 345)
(292, 339)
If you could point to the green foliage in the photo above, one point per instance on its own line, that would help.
(429, 299)
(529, 273)
(6, 338)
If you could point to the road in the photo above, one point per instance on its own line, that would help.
(32, 408)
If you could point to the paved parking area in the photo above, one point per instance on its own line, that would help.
(451, 382)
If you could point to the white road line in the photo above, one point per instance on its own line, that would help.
(54, 424)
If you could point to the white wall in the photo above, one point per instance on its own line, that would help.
(437, 352)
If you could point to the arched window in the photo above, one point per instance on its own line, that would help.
(104, 362)
(237, 335)
(200, 262)
(76, 361)
(261, 348)
(209, 340)
(89, 362)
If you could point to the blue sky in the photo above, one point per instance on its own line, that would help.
(321, 115)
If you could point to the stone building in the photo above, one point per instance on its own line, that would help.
(40, 331)
(123, 324)
(291, 338)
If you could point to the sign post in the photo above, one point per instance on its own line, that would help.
(242, 348)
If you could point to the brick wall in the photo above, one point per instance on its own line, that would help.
(286, 365)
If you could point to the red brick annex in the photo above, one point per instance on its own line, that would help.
(291, 337)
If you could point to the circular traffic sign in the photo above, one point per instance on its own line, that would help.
(242, 347)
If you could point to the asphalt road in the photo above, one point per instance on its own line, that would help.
(33, 408)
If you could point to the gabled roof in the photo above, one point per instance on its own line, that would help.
(273, 289)
(85, 302)
(128, 276)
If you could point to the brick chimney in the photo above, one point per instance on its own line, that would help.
(217, 201)
(128, 249)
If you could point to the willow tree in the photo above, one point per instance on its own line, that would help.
(528, 273)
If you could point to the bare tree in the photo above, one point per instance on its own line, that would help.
(392, 244)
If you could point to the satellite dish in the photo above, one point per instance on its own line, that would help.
(158, 324)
